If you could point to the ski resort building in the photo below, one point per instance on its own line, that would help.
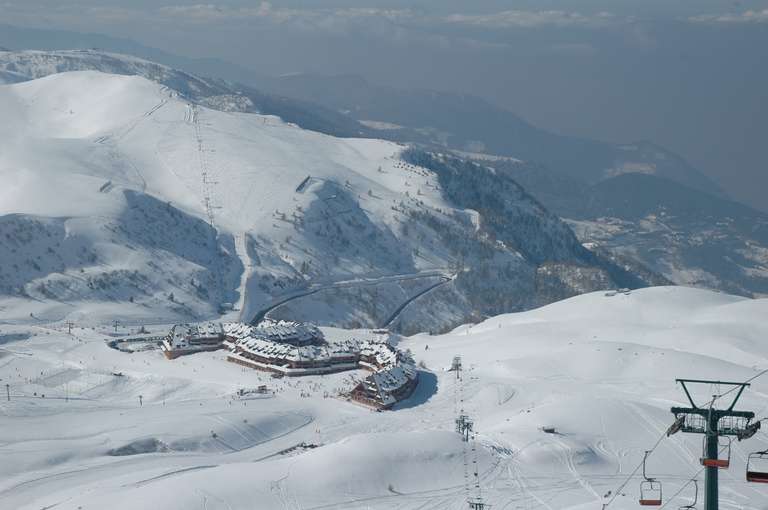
(190, 338)
(291, 360)
(296, 349)
(288, 332)
(288, 348)
(393, 379)
(384, 388)
(293, 349)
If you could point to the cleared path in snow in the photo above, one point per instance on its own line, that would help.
(241, 247)
(358, 282)
(399, 310)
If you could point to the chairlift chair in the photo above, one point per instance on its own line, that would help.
(650, 488)
(757, 467)
(692, 506)
(723, 444)
(650, 492)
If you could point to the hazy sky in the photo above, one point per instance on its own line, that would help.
(691, 75)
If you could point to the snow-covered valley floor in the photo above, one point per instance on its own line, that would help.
(598, 369)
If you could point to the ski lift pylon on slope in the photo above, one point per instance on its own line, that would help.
(650, 488)
(724, 445)
(757, 467)
(692, 506)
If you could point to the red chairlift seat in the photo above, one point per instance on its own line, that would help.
(718, 463)
(757, 467)
(724, 445)
(650, 488)
(650, 493)
(757, 477)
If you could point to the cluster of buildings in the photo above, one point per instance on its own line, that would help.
(190, 338)
(288, 349)
(293, 349)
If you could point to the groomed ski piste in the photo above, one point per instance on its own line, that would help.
(597, 371)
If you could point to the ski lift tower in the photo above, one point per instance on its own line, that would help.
(713, 423)
(456, 366)
(464, 426)
(478, 504)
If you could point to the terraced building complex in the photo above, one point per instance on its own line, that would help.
(294, 349)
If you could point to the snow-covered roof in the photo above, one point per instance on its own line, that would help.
(270, 349)
(237, 329)
(276, 331)
(287, 331)
(181, 332)
(383, 386)
(384, 354)
(394, 378)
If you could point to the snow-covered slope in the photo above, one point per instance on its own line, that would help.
(119, 191)
(599, 369)
(214, 92)
(30, 65)
(78, 222)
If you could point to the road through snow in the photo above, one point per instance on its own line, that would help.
(356, 282)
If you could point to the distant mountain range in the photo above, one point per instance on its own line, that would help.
(469, 124)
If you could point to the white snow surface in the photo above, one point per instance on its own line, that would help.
(77, 107)
(598, 368)
(90, 158)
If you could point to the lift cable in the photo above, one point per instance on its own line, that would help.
(686, 484)
(734, 388)
(616, 493)
(680, 491)
(634, 471)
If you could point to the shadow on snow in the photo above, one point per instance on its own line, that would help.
(424, 390)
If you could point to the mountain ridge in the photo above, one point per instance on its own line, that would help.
(467, 123)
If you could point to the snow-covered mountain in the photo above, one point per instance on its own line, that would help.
(18, 66)
(123, 192)
(597, 371)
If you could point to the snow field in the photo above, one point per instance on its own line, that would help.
(600, 370)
